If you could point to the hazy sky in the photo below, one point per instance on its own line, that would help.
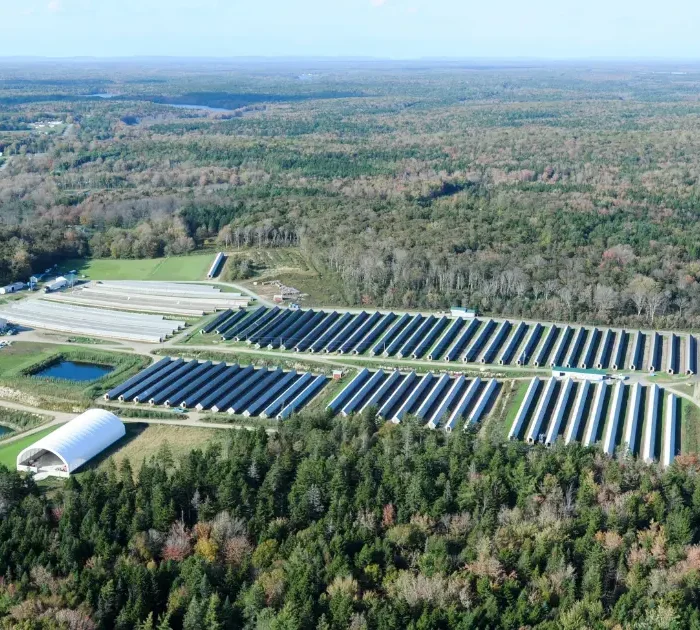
(379, 28)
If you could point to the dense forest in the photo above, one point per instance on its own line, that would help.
(564, 191)
(346, 524)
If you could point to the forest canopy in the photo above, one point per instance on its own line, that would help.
(344, 524)
(568, 192)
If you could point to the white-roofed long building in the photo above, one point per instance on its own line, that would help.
(70, 446)
(216, 266)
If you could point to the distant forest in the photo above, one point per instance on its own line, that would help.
(548, 192)
(335, 524)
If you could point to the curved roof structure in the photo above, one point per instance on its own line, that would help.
(79, 440)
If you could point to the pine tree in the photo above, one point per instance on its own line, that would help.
(107, 604)
(212, 618)
(193, 616)
(147, 624)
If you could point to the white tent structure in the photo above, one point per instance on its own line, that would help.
(60, 453)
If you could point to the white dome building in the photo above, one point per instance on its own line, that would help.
(70, 446)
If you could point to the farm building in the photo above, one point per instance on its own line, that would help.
(56, 285)
(12, 288)
(187, 300)
(584, 352)
(216, 265)
(220, 387)
(439, 400)
(581, 374)
(95, 322)
(620, 418)
(466, 313)
(75, 443)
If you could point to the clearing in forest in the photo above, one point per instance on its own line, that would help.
(142, 441)
(172, 268)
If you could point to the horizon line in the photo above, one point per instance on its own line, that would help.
(355, 58)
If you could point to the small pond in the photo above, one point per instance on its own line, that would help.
(74, 371)
(4, 430)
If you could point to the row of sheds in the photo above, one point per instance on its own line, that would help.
(93, 322)
(220, 387)
(643, 420)
(187, 300)
(620, 417)
(439, 400)
(443, 338)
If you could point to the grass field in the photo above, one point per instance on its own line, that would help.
(9, 452)
(511, 406)
(143, 441)
(21, 359)
(690, 427)
(174, 268)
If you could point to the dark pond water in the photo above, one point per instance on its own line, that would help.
(4, 430)
(73, 371)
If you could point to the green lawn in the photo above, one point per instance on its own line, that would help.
(690, 427)
(512, 406)
(22, 359)
(174, 268)
(9, 452)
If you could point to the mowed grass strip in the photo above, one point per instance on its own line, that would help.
(9, 452)
(690, 428)
(22, 355)
(173, 268)
(516, 394)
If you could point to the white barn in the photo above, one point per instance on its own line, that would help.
(70, 446)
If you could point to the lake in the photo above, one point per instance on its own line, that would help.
(204, 108)
(74, 371)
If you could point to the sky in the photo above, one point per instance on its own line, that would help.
(398, 29)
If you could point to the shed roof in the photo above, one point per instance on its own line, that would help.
(577, 370)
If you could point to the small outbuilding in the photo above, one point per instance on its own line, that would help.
(70, 446)
(581, 374)
(56, 285)
(12, 288)
(216, 265)
(465, 313)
